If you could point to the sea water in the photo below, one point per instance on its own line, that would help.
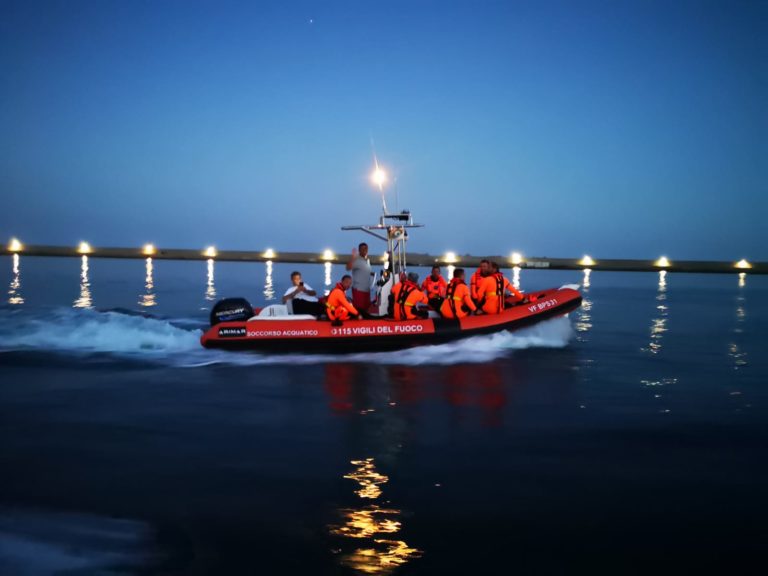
(628, 436)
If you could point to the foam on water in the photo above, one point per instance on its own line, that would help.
(89, 331)
(175, 343)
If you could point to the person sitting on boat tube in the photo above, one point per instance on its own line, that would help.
(360, 266)
(458, 302)
(492, 291)
(434, 286)
(302, 297)
(404, 298)
(337, 306)
(474, 283)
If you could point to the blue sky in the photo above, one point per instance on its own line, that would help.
(618, 129)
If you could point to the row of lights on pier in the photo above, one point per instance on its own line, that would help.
(15, 246)
(515, 258)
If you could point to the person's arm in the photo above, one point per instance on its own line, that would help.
(474, 286)
(515, 292)
(351, 261)
(291, 295)
(468, 302)
(348, 305)
(443, 287)
(308, 291)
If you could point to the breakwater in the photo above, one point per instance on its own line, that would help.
(414, 259)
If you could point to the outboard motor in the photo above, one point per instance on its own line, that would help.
(231, 310)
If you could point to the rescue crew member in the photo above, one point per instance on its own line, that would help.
(474, 282)
(492, 291)
(404, 298)
(360, 266)
(434, 286)
(458, 302)
(337, 306)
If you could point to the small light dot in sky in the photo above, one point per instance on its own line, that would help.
(311, 20)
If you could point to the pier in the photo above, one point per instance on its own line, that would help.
(414, 259)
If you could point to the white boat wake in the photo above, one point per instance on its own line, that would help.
(173, 343)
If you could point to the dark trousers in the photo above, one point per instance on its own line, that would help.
(306, 307)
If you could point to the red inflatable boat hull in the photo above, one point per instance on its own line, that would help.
(280, 335)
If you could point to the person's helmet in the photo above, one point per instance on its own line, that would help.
(413, 277)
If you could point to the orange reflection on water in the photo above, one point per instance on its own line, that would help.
(381, 560)
(14, 290)
(381, 555)
(368, 477)
(367, 522)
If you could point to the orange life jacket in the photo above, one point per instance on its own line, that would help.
(337, 305)
(491, 292)
(406, 295)
(474, 284)
(456, 297)
(434, 288)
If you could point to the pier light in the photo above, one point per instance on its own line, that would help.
(586, 261)
(269, 253)
(149, 250)
(210, 252)
(84, 248)
(15, 246)
(743, 264)
(328, 254)
(379, 177)
(450, 258)
(516, 258)
(662, 262)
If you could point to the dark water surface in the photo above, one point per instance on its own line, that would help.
(628, 437)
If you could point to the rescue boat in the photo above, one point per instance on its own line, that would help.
(273, 329)
(236, 325)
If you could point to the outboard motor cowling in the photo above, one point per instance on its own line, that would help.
(231, 310)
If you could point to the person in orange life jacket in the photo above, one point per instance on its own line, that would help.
(492, 291)
(474, 282)
(434, 287)
(337, 306)
(404, 298)
(458, 302)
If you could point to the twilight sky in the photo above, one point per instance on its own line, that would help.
(614, 128)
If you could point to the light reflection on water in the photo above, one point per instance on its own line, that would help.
(148, 299)
(516, 277)
(584, 314)
(328, 269)
(210, 289)
(737, 355)
(269, 287)
(369, 522)
(85, 300)
(659, 322)
(14, 290)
